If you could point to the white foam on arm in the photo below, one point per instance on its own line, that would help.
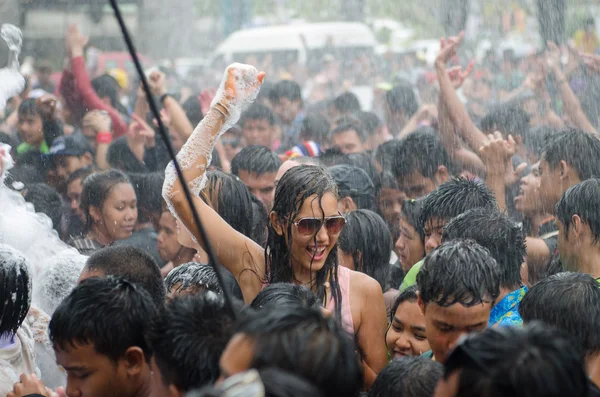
(196, 154)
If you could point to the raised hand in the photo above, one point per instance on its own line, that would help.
(140, 132)
(206, 97)
(448, 48)
(239, 88)
(97, 120)
(46, 106)
(30, 384)
(157, 82)
(552, 55)
(458, 75)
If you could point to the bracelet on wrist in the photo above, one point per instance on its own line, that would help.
(103, 137)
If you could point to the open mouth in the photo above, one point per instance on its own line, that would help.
(316, 253)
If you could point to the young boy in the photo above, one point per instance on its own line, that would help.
(98, 336)
(458, 285)
(505, 240)
(448, 201)
(69, 154)
(258, 126)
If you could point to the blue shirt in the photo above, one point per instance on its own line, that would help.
(506, 312)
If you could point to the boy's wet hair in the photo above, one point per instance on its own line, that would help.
(582, 200)
(275, 295)
(15, 294)
(255, 159)
(421, 151)
(570, 302)
(402, 98)
(579, 149)
(408, 376)
(258, 112)
(285, 89)
(28, 108)
(459, 271)
(188, 338)
(496, 232)
(510, 361)
(111, 314)
(455, 197)
(305, 342)
(133, 264)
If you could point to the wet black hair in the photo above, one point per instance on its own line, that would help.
(188, 338)
(230, 198)
(402, 98)
(107, 86)
(508, 361)
(112, 314)
(420, 151)
(367, 238)
(455, 197)
(23, 175)
(365, 162)
(578, 149)
(350, 127)
(133, 264)
(582, 200)
(411, 210)
(255, 159)
(193, 111)
(347, 103)
(197, 278)
(148, 190)
(81, 173)
(9, 140)
(296, 186)
(459, 271)
(333, 156)
(260, 220)
(258, 112)
(407, 377)
(536, 139)
(285, 89)
(194, 277)
(46, 200)
(569, 302)
(15, 291)
(500, 235)
(315, 127)
(408, 295)
(274, 295)
(388, 181)
(508, 118)
(276, 383)
(96, 188)
(386, 153)
(370, 122)
(28, 108)
(119, 156)
(305, 342)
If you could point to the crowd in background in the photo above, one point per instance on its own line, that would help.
(360, 242)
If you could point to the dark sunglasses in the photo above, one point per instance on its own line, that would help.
(310, 226)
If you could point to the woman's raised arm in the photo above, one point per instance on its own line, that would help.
(239, 88)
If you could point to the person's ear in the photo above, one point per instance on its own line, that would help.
(95, 214)
(420, 303)
(134, 360)
(346, 205)
(563, 169)
(87, 158)
(276, 223)
(441, 175)
(577, 225)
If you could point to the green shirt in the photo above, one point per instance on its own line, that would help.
(25, 147)
(411, 277)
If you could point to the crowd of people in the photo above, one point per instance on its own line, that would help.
(444, 243)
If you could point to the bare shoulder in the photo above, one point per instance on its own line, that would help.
(364, 285)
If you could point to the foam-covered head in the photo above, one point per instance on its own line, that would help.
(15, 289)
(57, 279)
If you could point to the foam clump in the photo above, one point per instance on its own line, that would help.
(11, 80)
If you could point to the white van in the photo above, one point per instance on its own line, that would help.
(297, 42)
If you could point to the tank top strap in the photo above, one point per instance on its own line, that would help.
(344, 282)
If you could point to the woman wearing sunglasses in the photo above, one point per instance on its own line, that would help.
(302, 234)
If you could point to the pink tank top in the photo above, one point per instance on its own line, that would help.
(344, 281)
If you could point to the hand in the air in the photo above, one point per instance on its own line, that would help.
(240, 86)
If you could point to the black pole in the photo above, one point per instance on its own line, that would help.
(209, 250)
